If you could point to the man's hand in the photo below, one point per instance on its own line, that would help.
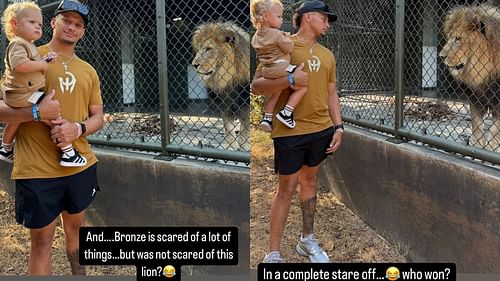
(336, 142)
(49, 108)
(63, 132)
(51, 57)
(301, 77)
(266, 87)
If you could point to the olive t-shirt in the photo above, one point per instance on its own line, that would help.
(312, 113)
(76, 88)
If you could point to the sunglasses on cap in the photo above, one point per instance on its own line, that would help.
(71, 6)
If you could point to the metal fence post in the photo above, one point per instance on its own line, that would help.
(162, 74)
(399, 66)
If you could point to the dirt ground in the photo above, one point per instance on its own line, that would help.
(342, 234)
(14, 247)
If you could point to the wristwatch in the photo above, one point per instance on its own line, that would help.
(291, 80)
(84, 129)
(339, 128)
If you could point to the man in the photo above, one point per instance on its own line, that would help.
(45, 189)
(318, 130)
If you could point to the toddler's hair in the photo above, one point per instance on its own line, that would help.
(258, 8)
(15, 11)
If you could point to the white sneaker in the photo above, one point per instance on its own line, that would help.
(73, 161)
(309, 247)
(273, 257)
(6, 155)
(285, 119)
(266, 125)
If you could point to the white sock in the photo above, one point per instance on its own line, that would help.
(68, 150)
(7, 146)
(288, 110)
(306, 237)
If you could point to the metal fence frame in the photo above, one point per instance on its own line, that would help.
(166, 147)
(398, 130)
(399, 90)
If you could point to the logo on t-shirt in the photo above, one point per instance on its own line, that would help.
(68, 83)
(314, 64)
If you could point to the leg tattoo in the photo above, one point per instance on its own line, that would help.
(308, 207)
(76, 267)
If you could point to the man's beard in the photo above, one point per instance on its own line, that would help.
(320, 36)
(68, 42)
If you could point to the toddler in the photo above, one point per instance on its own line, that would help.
(273, 48)
(24, 79)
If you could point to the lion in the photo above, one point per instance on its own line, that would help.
(222, 60)
(472, 55)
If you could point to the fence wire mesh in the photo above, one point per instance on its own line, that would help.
(208, 75)
(454, 97)
(122, 43)
(363, 39)
(450, 92)
(452, 89)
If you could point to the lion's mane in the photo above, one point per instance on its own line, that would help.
(473, 43)
(222, 53)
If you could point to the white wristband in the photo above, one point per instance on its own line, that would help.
(79, 130)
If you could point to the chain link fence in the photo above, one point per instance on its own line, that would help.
(391, 77)
(155, 99)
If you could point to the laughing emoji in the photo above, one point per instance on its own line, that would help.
(169, 271)
(392, 273)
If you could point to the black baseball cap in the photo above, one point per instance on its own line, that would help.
(72, 6)
(316, 6)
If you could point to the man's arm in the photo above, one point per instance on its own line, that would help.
(334, 109)
(9, 114)
(49, 109)
(334, 104)
(95, 122)
(265, 87)
(66, 131)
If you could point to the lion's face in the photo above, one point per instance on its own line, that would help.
(213, 62)
(205, 61)
(221, 55)
(466, 56)
(454, 54)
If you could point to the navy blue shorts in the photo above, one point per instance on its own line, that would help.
(291, 153)
(40, 201)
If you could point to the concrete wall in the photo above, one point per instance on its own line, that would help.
(137, 190)
(440, 207)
